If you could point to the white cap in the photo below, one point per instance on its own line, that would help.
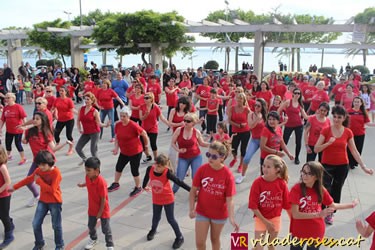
(125, 110)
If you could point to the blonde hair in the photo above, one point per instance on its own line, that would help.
(91, 96)
(3, 155)
(42, 100)
(12, 95)
(108, 82)
(243, 97)
(150, 94)
(220, 148)
(192, 116)
(280, 165)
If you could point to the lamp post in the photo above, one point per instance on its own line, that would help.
(80, 13)
(68, 13)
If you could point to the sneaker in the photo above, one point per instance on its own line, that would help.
(112, 140)
(33, 201)
(178, 242)
(239, 169)
(147, 160)
(135, 191)
(151, 234)
(114, 186)
(296, 161)
(239, 179)
(91, 244)
(110, 248)
(23, 161)
(38, 247)
(231, 164)
(70, 152)
(329, 219)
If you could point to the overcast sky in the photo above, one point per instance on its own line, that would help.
(22, 13)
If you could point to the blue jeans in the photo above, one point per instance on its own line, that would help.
(19, 97)
(182, 167)
(111, 115)
(40, 214)
(251, 149)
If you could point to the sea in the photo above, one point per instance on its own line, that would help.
(327, 58)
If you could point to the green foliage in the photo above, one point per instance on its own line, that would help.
(91, 18)
(165, 64)
(83, 73)
(211, 65)
(127, 30)
(52, 62)
(327, 70)
(41, 62)
(365, 16)
(362, 69)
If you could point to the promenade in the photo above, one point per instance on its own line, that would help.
(131, 217)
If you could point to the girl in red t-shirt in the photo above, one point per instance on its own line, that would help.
(212, 108)
(347, 97)
(269, 194)
(333, 142)
(5, 200)
(319, 96)
(307, 198)
(265, 93)
(211, 197)
(158, 176)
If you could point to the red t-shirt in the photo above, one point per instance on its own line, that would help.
(269, 197)
(214, 187)
(162, 193)
(185, 84)
(371, 221)
(257, 130)
(49, 116)
(338, 91)
(294, 116)
(59, 83)
(51, 100)
(273, 140)
(315, 129)
(251, 103)
(280, 90)
(308, 92)
(64, 108)
(335, 154)
(357, 122)
(5, 193)
(223, 138)
(191, 145)
(213, 104)
(155, 89)
(105, 98)
(318, 97)
(177, 119)
(306, 228)
(150, 124)
(347, 100)
(129, 135)
(88, 86)
(204, 92)
(97, 190)
(172, 98)
(89, 124)
(267, 96)
(36, 94)
(37, 143)
(240, 118)
(13, 116)
(136, 102)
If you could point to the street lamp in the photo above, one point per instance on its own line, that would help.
(80, 13)
(68, 13)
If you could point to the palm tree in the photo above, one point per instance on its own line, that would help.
(370, 39)
(38, 53)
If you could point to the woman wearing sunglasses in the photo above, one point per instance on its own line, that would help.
(186, 141)
(294, 110)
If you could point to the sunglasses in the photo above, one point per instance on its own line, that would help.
(188, 121)
(297, 93)
(38, 103)
(213, 156)
(146, 97)
(48, 91)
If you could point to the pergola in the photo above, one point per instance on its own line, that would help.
(75, 32)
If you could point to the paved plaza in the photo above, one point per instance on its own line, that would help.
(131, 217)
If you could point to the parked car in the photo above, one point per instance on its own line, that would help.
(368, 77)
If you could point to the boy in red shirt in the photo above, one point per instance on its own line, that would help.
(98, 203)
(48, 177)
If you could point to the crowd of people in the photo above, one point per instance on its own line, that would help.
(249, 115)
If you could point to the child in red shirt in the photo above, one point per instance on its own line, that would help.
(216, 187)
(48, 177)
(269, 194)
(98, 202)
(158, 176)
(212, 108)
(367, 230)
(223, 136)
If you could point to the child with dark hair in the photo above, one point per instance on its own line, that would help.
(48, 177)
(98, 203)
(158, 176)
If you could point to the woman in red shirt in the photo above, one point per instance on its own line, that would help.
(50, 97)
(88, 124)
(308, 92)
(128, 133)
(171, 92)
(265, 93)
(105, 102)
(333, 142)
(272, 80)
(211, 197)
(238, 118)
(294, 111)
(186, 141)
(88, 85)
(319, 96)
(185, 83)
(13, 115)
(347, 97)
(315, 124)
(136, 100)
(202, 94)
(271, 139)
(64, 108)
(58, 82)
(150, 114)
(338, 90)
(38, 92)
(358, 118)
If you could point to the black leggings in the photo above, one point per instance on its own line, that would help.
(153, 137)
(4, 213)
(298, 132)
(359, 140)
(211, 123)
(17, 140)
(243, 138)
(134, 163)
(169, 212)
(312, 156)
(69, 130)
(334, 178)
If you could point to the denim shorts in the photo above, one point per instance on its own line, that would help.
(200, 217)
